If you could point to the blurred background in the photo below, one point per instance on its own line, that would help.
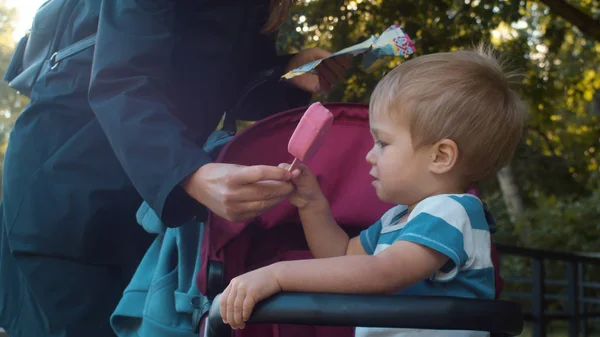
(548, 199)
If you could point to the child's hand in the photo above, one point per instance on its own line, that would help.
(307, 191)
(242, 294)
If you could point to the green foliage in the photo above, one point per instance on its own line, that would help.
(569, 223)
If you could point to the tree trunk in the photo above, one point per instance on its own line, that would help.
(511, 192)
(586, 24)
(595, 106)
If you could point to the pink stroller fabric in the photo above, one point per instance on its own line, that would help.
(342, 172)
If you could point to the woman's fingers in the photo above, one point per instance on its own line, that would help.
(326, 77)
(318, 53)
(344, 60)
(251, 210)
(251, 201)
(336, 67)
(295, 173)
(252, 174)
(258, 207)
(331, 71)
(264, 190)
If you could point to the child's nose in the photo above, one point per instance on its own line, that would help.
(371, 157)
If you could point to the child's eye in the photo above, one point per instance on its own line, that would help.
(380, 144)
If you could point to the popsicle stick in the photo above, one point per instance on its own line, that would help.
(294, 164)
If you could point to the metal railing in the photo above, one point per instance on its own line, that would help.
(572, 299)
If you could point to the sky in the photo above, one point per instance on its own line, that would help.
(25, 11)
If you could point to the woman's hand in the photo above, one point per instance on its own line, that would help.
(239, 193)
(328, 73)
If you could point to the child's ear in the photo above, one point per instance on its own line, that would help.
(443, 156)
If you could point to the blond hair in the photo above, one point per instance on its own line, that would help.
(278, 13)
(464, 96)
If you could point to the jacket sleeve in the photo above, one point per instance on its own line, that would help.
(132, 77)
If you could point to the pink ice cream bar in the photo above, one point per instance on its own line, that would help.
(310, 133)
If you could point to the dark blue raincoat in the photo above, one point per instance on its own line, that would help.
(77, 168)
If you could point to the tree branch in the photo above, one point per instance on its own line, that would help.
(586, 24)
(542, 135)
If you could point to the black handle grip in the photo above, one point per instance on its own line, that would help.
(411, 312)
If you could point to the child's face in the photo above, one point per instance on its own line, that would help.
(401, 173)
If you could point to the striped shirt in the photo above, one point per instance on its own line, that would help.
(452, 224)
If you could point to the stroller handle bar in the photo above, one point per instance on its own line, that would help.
(412, 312)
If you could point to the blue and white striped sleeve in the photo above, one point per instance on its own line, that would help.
(370, 236)
(439, 222)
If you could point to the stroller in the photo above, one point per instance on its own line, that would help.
(230, 249)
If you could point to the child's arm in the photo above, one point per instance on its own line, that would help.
(324, 236)
(400, 266)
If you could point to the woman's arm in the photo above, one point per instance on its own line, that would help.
(151, 112)
(131, 79)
